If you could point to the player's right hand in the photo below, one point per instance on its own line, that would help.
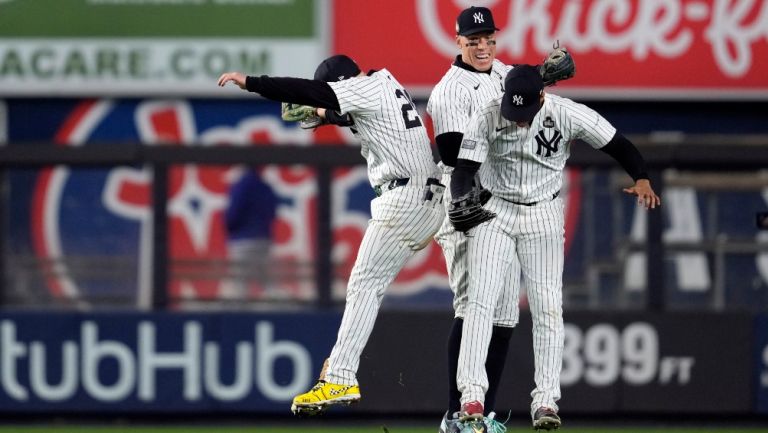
(236, 77)
(646, 197)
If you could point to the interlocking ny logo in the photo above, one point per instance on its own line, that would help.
(550, 145)
(517, 99)
(478, 16)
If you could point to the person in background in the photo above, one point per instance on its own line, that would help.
(249, 218)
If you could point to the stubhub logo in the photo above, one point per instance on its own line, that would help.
(110, 370)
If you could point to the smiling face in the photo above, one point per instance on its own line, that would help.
(478, 50)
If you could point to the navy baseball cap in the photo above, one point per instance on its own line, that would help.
(522, 88)
(474, 20)
(336, 68)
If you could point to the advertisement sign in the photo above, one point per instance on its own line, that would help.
(625, 363)
(629, 363)
(169, 363)
(623, 49)
(137, 47)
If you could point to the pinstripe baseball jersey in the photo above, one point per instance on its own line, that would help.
(393, 138)
(453, 101)
(526, 165)
(524, 170)
(460, 92)
(403, 219)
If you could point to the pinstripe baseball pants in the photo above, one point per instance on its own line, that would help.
(402, 223)
(454, 246)
(536, 236)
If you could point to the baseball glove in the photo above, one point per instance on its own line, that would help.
(558, 66)
(467, 211)
(304, 114)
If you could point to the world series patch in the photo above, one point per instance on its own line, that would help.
(468, 144)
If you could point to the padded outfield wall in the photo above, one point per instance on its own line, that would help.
(46, 208)
(131, 363)
(92, 74)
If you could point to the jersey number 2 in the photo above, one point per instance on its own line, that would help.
(410, 115)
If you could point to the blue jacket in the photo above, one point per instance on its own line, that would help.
(252, 208)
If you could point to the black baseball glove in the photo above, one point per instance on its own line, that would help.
(558, 66)
(467, 211)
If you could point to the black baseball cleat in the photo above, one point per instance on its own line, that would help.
(546, 418)
(450, 423)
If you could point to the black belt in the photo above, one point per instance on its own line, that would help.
(554, 196)
(392, 184)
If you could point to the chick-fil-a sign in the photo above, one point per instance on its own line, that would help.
(623, 48)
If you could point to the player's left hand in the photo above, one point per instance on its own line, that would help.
(644, 193)
(236, 77)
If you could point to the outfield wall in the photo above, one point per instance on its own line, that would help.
(217, 363)
(718, 258)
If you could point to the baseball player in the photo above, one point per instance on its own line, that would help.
(406, 213)
(475, 77)
(522, 140)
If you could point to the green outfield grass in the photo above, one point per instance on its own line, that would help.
(347, 429)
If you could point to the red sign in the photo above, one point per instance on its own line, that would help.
(622, 48)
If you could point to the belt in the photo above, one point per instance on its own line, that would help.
(394, 183)
(554, 196)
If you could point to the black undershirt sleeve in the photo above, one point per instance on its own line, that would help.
(448, 145)
(623, 151)
(333, 117)
(314, 93)
(461, 179)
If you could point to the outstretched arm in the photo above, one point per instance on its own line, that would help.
(623, 151)
(285, 89)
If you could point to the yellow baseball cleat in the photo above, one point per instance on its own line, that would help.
(325, 394)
